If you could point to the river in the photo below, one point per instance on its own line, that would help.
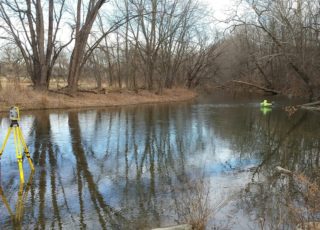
(138, 167)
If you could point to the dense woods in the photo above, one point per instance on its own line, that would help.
(138, 44)
(281, 44)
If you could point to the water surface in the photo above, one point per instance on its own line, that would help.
(139, 167)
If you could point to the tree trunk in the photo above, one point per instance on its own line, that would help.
(82, 34)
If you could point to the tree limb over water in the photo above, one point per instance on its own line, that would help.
(313, 106)
(275, 92)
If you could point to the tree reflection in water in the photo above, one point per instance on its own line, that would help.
(147, 166)
(277, 201)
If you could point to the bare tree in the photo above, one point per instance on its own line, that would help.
(82, 31)
(282, 40)
(158, 39)
(199, 63)
(12, 64)
(84, 48)
(24, 23)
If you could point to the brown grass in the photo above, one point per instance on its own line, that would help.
(303, 201)
(193, 205)
(27, 98)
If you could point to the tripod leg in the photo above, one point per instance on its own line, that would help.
(25, 147)
(6, 203)
(5, 141)
(18, 153)
(19, 205)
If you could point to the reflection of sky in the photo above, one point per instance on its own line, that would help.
(61, 141)
(121, 148)
(112, 138)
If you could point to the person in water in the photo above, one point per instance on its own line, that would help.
(265, 103)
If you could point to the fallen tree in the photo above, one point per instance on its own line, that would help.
(314, 106)
(275, 92)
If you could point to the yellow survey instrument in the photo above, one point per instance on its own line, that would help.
(14, 113)
(19, 142)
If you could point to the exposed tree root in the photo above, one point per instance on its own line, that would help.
(94, 91)
(61, 91)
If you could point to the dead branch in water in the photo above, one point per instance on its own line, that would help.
(283, 170)
(313, 106)
(312, 103)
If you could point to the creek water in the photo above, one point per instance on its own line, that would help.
(146, 166)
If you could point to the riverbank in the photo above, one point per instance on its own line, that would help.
(31, 100)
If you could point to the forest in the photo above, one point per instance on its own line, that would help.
(272, 45)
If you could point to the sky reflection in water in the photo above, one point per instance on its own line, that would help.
(127, 168)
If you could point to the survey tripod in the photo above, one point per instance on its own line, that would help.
(19, 142)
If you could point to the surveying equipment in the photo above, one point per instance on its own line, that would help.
(14, 114)
(19, 141)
